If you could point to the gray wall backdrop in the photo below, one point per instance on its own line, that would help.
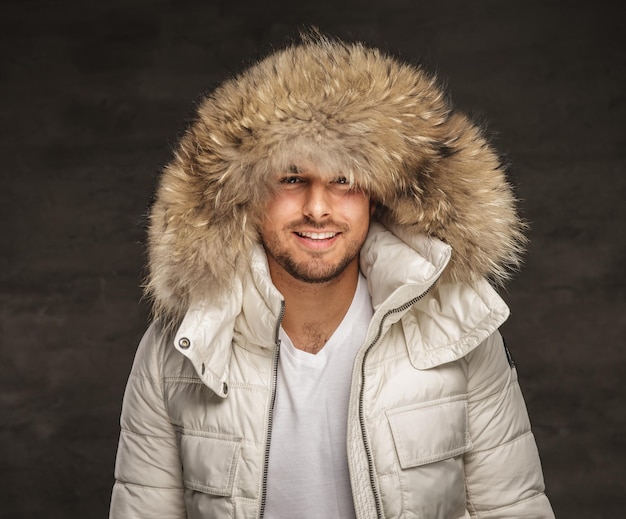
(94, 96)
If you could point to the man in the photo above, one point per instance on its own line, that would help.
(326, 341)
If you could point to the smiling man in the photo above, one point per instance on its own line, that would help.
(314, 227)
(325, 341)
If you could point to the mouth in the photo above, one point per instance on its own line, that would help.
(317, 235)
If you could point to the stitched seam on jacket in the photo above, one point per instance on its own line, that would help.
(249, 387)
(472, 333)
(375, 366)
(469, 499)
(133, 433)
(145, 377)
(473, 454)
(194, 380)
(245, 499)
(160, 366)
(187, 380)
(511, 383)
(207, 434)
(437, 402)
(389, 475)
(201, 433)
(147, 487)
(383, 414)
(207, 489)
(489, 511)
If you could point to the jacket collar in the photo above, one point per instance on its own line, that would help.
(399, 268)
(251, 310)
(453, 320)
(445, 326)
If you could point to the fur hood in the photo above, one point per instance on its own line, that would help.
(350, 109)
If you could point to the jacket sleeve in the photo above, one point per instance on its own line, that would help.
(148, 473)
(503, 472)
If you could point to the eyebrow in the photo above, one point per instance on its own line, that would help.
(294, 169)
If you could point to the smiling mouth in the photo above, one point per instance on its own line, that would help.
(317, 235)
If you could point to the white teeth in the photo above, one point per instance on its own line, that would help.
(317, 235)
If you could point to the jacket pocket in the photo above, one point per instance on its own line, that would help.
(209, 462)
(430, 432)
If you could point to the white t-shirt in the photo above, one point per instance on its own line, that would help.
(308, 465)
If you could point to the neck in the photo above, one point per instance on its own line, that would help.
(313, 311)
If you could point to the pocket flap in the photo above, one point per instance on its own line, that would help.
(430, 432)
(209, 463)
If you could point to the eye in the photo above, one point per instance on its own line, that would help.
(342, 184)
(292, 179)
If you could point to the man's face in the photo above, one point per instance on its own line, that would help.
(313, 228)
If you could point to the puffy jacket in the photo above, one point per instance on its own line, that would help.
(437, 426)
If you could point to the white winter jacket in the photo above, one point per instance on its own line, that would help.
(437, 426)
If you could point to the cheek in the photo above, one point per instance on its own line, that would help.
(358, 217)
(271, 209)
(362, 210)
(276, 214)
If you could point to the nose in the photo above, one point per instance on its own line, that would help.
(317, 204)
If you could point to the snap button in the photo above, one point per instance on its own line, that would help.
(225, 388)
(184, 343)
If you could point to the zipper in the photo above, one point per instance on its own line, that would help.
(270, 417)
(366, 444)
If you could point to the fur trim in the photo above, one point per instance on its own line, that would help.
(350, 109)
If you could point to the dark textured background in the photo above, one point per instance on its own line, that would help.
(94, 96)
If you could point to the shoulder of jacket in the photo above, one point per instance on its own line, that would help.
(156, 356)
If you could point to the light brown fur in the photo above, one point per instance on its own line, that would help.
(352, 110)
